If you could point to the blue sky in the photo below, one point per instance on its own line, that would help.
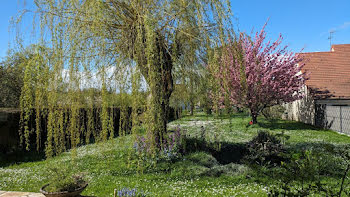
(303, 23)
(8, 9)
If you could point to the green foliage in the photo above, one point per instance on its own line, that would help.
(170, 150)
(266, 148)
(34, 85)
(104, 114)
(23, 77)
(305, 174)
(11, 74)
(205, 89)
(13, 69)
(61, 179)
(178, 97)
(231, 169)
(189, 76)
(203, 159)
(110, 46)
(274, 112)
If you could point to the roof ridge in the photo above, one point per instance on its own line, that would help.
(329, 69)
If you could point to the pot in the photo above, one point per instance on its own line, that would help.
(74, 193)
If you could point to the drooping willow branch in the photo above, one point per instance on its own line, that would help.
(91, 44)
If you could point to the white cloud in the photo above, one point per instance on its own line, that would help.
(345, 25)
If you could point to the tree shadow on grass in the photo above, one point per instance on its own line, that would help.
(224, 152)
(233, 115)
(230, 153)
(286, 125)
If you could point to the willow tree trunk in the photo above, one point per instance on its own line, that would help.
(159, 105)
(192, 107)
(159, 78)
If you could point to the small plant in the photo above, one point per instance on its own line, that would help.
(172, 148)
(300, 177)
(303, 175)
(265, 148)
(61, 179)
(127, 192)
(345, 155)
(274, 112)
(202, 133)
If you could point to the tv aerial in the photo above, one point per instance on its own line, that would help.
(330, 37)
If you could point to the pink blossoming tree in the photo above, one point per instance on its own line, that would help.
(255, 74)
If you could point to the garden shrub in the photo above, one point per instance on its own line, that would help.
(274, 112)
(171, 149)
(61, 179)
(300, 176)
(330, 156)
(265, 148)
(304, 174)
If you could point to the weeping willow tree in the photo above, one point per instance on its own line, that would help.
(105, 44)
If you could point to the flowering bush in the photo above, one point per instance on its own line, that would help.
(171, 147)
(127, 192)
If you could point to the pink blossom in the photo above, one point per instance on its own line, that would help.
(257, 74)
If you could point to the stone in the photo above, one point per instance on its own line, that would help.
(36, 195)
(14, 194)
(20, 194)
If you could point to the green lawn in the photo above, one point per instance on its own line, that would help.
(107, 168)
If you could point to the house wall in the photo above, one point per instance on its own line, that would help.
(331, 114)
(334, 115)
(302, 110)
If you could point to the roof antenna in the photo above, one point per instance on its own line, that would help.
(330, 38)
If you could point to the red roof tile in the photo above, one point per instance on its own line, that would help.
(329, 71)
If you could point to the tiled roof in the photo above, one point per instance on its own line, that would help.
(329, 71)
